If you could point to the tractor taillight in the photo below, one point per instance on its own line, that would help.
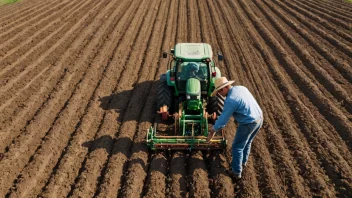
(213, 74)
(172, 78)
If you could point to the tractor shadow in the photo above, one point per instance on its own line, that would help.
(135, 100)
(129, 105)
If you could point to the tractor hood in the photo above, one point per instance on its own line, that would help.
(193, 87)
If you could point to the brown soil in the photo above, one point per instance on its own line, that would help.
(78, 91)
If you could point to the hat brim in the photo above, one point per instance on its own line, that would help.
(220, 87)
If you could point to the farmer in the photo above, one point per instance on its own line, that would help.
(193, 69)
(240, 104)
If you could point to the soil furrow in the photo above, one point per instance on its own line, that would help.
(40, 64)
(182, 27)
(194, 22)
(269, 172)
(336, 172)
(197, 183)
(338, 4)
(248, 186)
(26, 38)
(115, 171)
(321, 21)
(138, 159)
(340, 62)
(106, 29)
(332, 10)
(69, 41)
(155, 182)
(155, 185)
(292, 183)
(23, 17)
(20, 151)
(279, 156)
(203, 19)
(20, 64)
(177, 185)
(230, 129)
(278, 151)
(79, 85)
(341, 170)
(347, 106)
(10, 92)
(294, 142)
(9, 15)
(207, 24)
(248, 28)
(176, 182)
(326, 12)
(8, 11)
(327, 108)
(198, 176)
(14, 117)
(343, 47)
(221, 185)
(220, 40)
(138, 162)
(68, 169)
(311, 63)
(136, 172)
(14, 30)
(88, 182)
(117, 163)
(44, 160)
(335, 21)
(269, 181)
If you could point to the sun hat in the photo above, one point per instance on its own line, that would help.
(221, 83)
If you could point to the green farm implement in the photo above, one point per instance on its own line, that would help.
(184, 104)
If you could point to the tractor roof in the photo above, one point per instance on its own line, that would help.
(193, 51)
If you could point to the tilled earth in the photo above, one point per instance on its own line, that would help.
(78, 93)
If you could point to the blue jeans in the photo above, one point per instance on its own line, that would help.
(241, 145)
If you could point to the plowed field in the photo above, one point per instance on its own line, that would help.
(78, 91)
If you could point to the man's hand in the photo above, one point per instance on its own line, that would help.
(210, 135)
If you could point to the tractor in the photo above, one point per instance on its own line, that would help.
(184, 102)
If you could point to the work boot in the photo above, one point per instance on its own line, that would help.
(234, 175)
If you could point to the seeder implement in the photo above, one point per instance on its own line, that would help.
(192, 142)
(188, 132)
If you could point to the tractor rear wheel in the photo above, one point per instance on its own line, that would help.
(164, 93)
(216, 104)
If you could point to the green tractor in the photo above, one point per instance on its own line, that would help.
(184, 103)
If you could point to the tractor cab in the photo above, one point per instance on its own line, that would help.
(192, 61)
(192, 70)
